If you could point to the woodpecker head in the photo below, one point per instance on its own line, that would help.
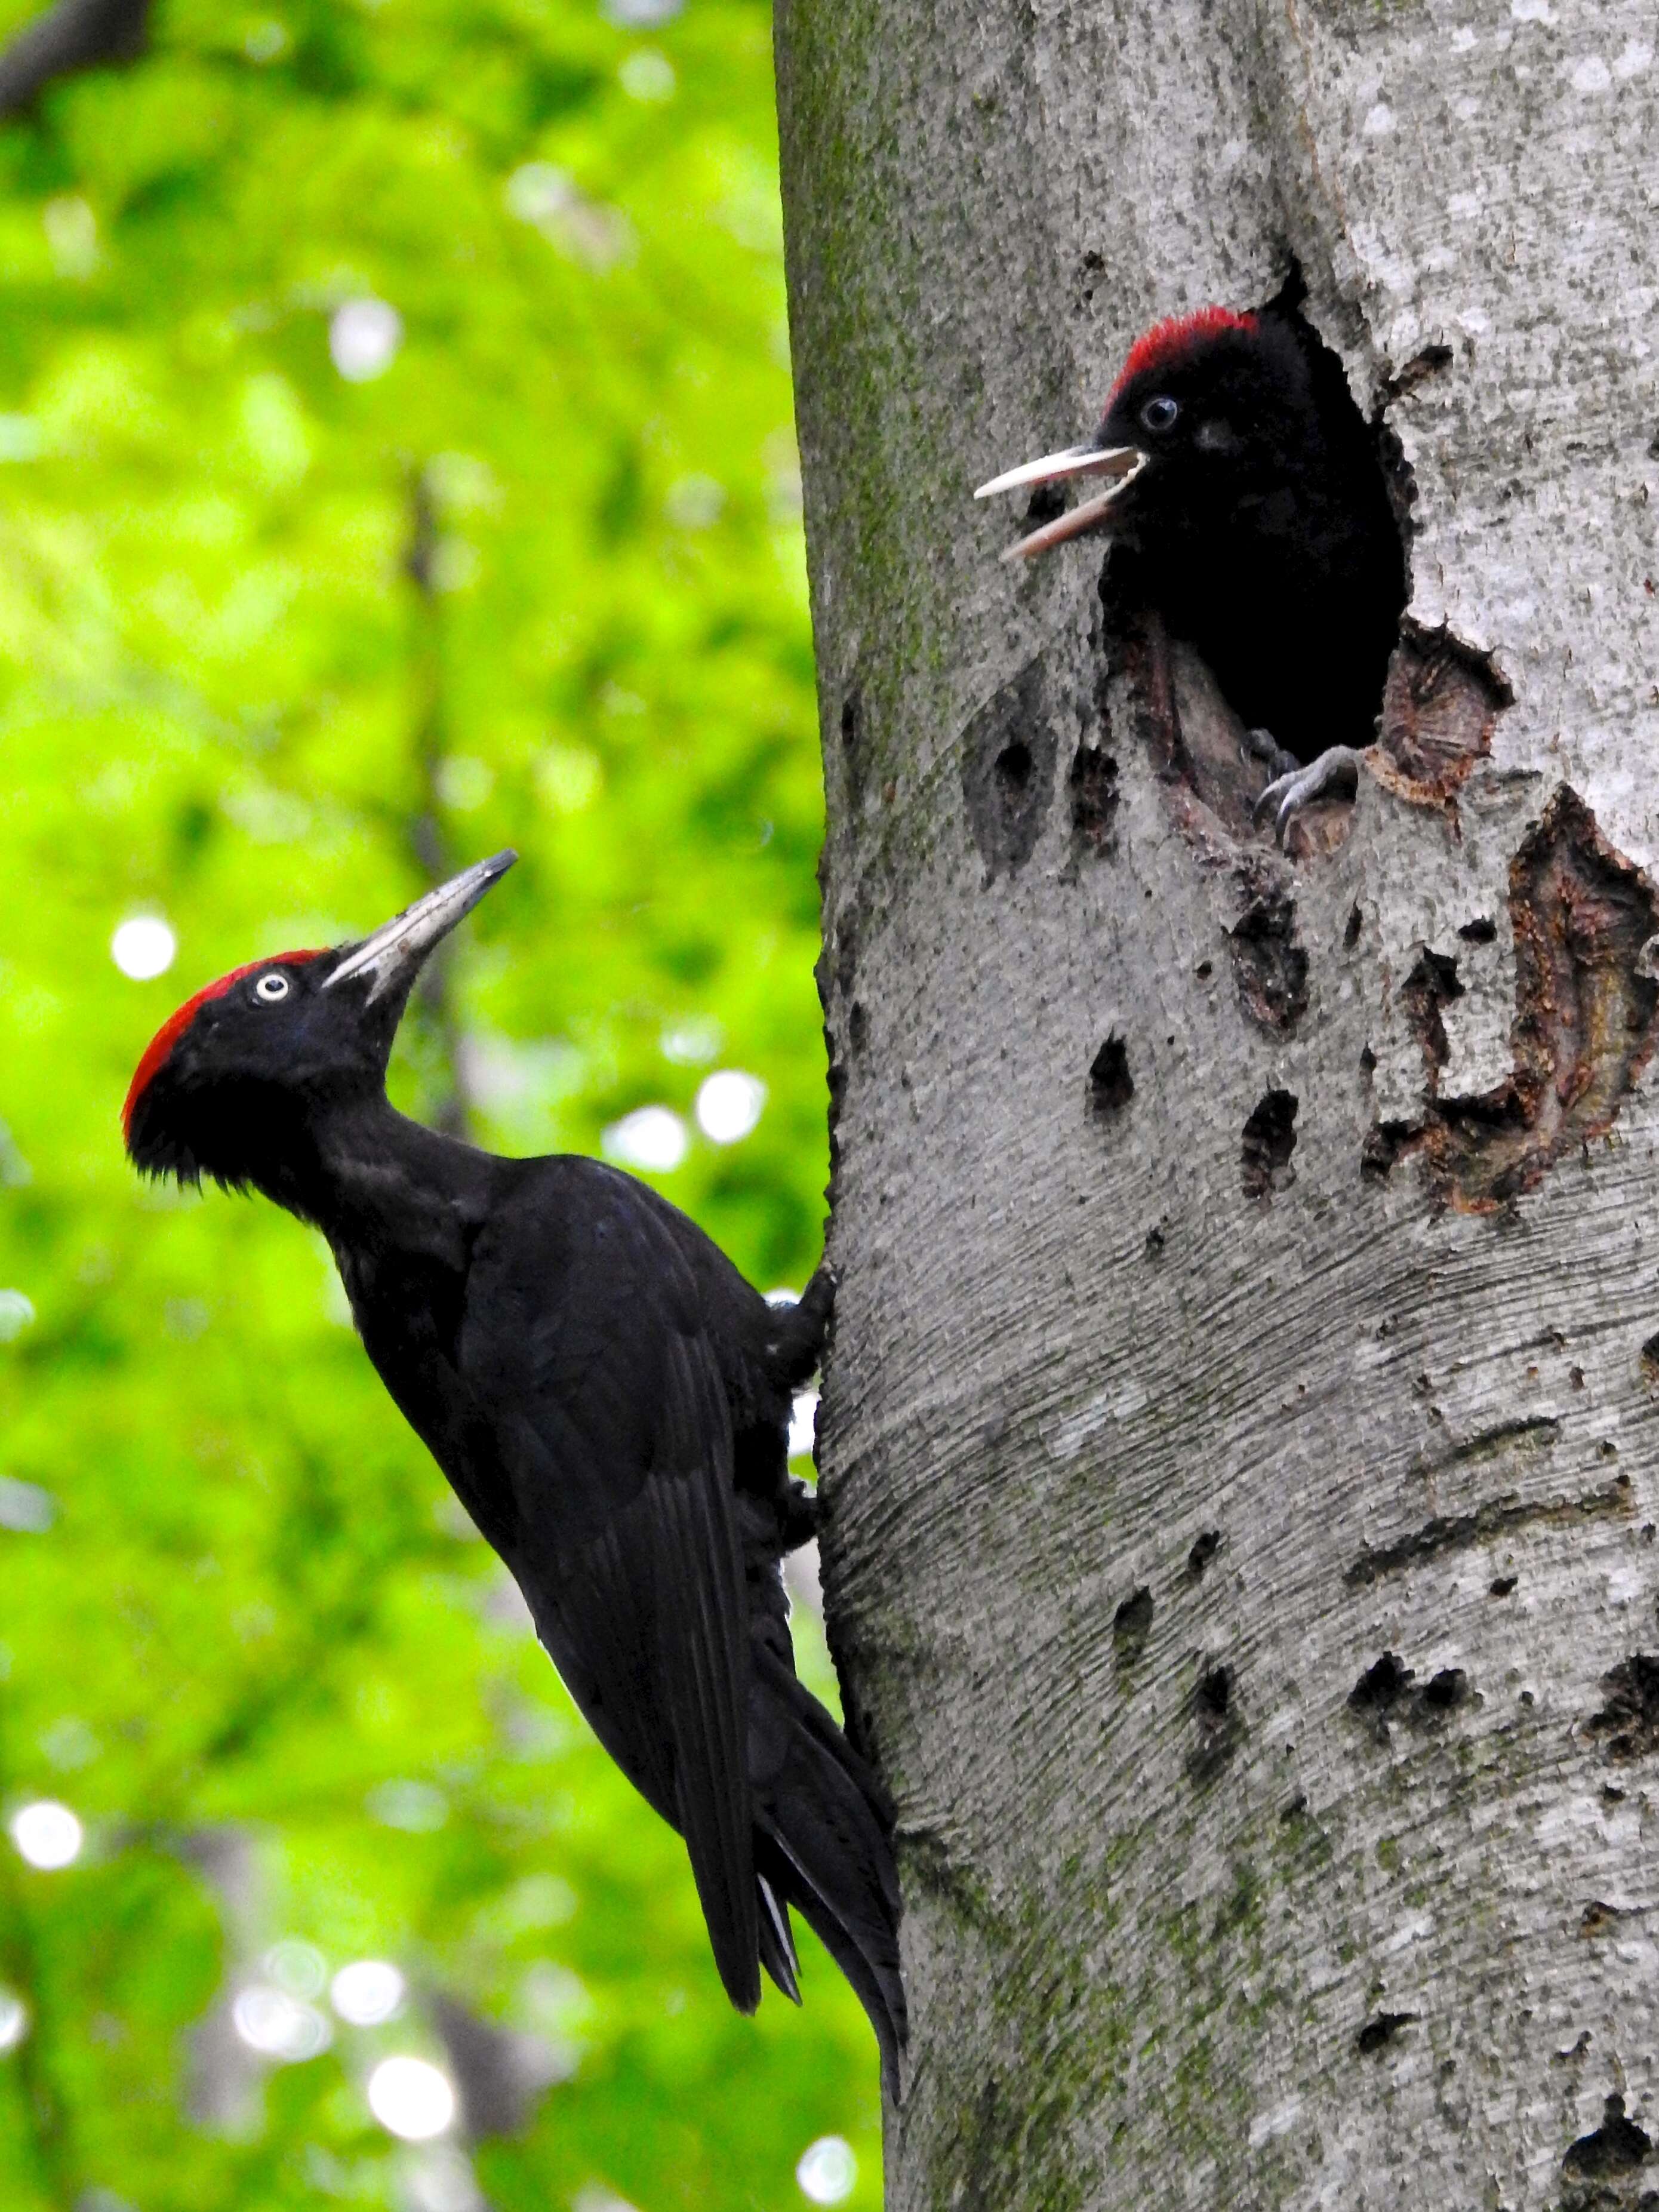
(225, 1085)
(1208, 407)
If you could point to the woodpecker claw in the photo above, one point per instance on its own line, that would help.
(1336, 772)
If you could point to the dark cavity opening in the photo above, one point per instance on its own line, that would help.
(1380, 1686)
(1132, 1624)
(1268, 1141)
(1618, 2145)
(1445, 1691)
(1383, 2029)
(1481, 931)
(1111, 1086)
(1205, 1548)
(1013, 769)
(852, 718)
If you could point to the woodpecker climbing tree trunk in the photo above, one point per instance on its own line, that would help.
(1240, 1431)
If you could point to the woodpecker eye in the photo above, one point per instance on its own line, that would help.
(1158, 413)
(272, 988)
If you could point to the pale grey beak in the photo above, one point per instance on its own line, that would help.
(1124, 463)
(402, 944)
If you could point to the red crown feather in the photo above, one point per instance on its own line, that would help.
(1172, 341)
(156, 1051)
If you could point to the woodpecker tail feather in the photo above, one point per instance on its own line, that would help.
(823, 1844)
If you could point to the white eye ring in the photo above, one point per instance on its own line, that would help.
(272, 988)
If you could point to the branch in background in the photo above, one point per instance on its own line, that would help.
(435, 1000)
(75, 36)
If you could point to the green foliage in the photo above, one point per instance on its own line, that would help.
(258, 1648)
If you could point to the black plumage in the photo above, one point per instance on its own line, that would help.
(609, 1399)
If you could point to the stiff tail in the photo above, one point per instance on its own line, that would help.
(823, 1844)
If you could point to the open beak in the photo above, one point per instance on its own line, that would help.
(1122, 463)
(396, 951)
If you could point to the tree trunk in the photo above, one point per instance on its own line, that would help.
(1239, 1433)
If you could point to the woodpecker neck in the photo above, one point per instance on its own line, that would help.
(370, 1178)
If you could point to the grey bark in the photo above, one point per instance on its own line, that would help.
(1239, 1435)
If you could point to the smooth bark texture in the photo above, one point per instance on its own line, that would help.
(1240, 1434)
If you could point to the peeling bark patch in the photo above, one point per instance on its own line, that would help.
(1215, 1713)
(1008, 754)
(1381, 2030)
(1269, 967)
(1205, 1548)
(1268, 1141)
(1092, 782)
(1497, 1517)
(1628, 1724)
(1440, 706)
(1584, 1024)
(1111, 1086)
(1618, 2145)
(1132, 1625)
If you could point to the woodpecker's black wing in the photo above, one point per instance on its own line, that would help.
(588, 1348)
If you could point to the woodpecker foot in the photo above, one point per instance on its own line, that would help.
(1335, 774)
(1264, 746)
(796, 1340)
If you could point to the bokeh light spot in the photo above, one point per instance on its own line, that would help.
(827, 2170)
(13, 2021)
(652, 1138)
(367, 1992)
(411, 2099)
(47, 1834)
(363, 338)
(143, 947)
(729, 1105)
(280, 2026)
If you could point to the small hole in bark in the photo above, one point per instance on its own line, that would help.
(1013, 769)
(1356, 922)
(1480, 930)
(1383, 2029)
(1296, 1807)
(1205, 1548)
(1503, 1585)
(1111, 1086)
(1576, 1377)
(1628, 1724)
(1380, 1686)
(1649, 1362)
(1596, 1917)
(1132, 1625)
(858, 1025)
(1214, 1710)
(1448, 1689)
(1154, 1245)
(1618, 2145)
(1204, 970)
(852, 718)
(1268, 1141)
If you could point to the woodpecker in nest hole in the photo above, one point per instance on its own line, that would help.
(1249, 490)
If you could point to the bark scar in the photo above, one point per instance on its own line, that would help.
(1585, 1027)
